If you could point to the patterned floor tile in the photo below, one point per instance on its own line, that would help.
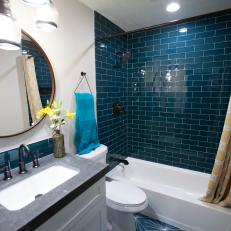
(144, 223)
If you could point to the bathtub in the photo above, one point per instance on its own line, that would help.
(173, 194)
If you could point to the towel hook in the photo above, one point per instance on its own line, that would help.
(83, 76)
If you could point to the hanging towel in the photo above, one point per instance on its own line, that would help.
(86, 135)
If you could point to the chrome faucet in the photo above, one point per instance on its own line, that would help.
(22, 166)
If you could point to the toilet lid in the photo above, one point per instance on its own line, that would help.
(124, 194)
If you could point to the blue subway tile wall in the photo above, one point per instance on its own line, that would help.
(178, 90)
(41, 148)
(111, 83)
(178, 87)
(41, 69)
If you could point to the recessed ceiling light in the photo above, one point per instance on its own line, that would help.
(183, 30)
(173, 7)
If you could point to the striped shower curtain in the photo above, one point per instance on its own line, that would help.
(219, 188)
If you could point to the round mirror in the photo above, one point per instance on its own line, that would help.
(26, 84)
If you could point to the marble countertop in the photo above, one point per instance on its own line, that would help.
(40, 210)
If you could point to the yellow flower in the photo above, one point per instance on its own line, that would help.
(70, 115)
(46, 111)
(41, 113)
(54, 104)
(50, 112)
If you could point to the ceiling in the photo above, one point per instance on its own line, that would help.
(136, 14)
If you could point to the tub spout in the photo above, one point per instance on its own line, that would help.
(125, 162)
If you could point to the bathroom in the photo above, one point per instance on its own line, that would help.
(157, 77)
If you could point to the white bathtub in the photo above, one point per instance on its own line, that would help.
(173, 195)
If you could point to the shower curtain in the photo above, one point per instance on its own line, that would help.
(31, 86)
(219, 188)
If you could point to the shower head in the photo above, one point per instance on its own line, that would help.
(122, 58)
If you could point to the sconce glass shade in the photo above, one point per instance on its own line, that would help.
(36, 2)
(10, 33)
(47, 17)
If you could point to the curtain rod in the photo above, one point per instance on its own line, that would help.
(163, 24)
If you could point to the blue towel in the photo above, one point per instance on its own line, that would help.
(86, 135)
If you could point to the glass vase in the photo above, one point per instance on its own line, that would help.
(58, 145)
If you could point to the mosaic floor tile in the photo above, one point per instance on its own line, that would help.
(144, 223)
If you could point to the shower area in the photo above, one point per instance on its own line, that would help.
(171, 85)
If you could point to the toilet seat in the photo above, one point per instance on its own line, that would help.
(125, 197)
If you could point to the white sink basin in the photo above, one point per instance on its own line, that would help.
(24, 192)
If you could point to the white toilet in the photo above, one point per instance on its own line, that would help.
(123, 199)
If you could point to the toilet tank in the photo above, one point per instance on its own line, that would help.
(99, 154)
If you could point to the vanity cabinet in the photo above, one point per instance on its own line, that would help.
(87, 212)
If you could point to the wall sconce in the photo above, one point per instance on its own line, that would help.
(10, 33)
(35, 2)
(47, 17)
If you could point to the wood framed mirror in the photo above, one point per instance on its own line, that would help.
(26, 84)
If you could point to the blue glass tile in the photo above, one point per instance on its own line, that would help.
(216, 26)
(42, 148)
(223, 18)
(185, 49)
(205, 21)
(214, 52)
(168, 40)
(223, 32)
(186, 37)
(206, 34)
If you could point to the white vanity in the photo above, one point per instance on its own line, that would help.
(85, 213)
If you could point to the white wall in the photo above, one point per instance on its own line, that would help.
(70, 50)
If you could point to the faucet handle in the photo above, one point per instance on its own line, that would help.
(7, 172)
(36, 160)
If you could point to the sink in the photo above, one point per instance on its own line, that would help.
(19, 195)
